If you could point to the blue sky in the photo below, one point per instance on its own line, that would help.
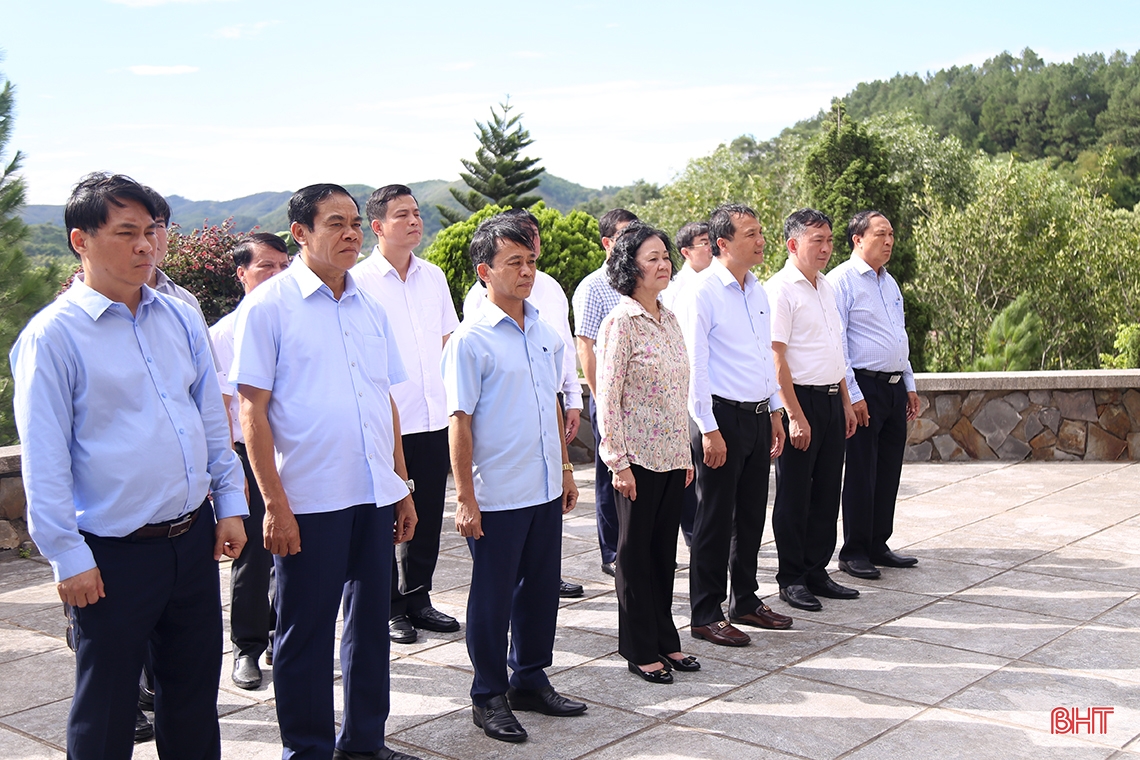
(215, 99)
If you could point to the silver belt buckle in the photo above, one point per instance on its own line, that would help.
(895, 378)
(761, 407)
(833, 389)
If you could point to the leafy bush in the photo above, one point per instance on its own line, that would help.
(1127, 346)
(1013, 342)
(202, 262)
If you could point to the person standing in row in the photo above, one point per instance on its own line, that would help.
(513, 482)
(881, 383)
(316, 358)
(807, 344)
(418, 303)
(257, 258)
(736, 427)
(643, 389)
(593, 299)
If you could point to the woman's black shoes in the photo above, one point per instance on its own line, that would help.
(687, 664)
(661, 675)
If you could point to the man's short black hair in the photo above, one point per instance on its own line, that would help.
(859, 224)
(800, 221)
(622, 268)
(690, 232)
(721, 224)
(608, 224)
(493, 232)
(91, 198)
(377, 205)
(303, 204)
(522, 213)
(161, 207)
(243, 251)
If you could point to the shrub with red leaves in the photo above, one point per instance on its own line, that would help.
(202, 262)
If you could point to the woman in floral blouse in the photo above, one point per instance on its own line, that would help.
(642, 390)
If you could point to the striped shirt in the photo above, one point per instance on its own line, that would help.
(594, 298)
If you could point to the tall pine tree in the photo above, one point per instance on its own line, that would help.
(497, 175)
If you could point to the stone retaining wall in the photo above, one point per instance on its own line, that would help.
(1079, 415)
(13, 523)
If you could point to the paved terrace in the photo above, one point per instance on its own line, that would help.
(1025, 600)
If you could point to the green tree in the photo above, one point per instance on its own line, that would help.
(24, 289)
(1127, 348)
(1013, 342)
(497, 176)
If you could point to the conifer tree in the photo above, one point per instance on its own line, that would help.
(497, 176)
(1013, 343)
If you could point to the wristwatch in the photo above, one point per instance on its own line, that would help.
(567, 467)
(411, 484)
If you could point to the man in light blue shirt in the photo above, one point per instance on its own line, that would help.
(881, 383)
(513, 481)
(124, 433)
(315, 359)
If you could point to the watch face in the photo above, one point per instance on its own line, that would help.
(411, 484)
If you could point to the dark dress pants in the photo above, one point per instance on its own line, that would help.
(427, 459)
(604, 507)
(731, 502)
(346, 555)
(874, 468)
(646, 560)
(515, 571)
(251, 615)
(807, 492)
(165, 592)
(689, 508)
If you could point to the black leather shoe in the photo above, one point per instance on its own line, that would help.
(832, 590)
(431, 619)
(661, 675)
(799, 596)
(401, 631)
(685, 664)
(860, 568)
(384, 753)
(144, 731)
(610, 569)
(269, 655)
(497, 720)
(545, 700)
(890, 559)
(570, 590)
(246, 674)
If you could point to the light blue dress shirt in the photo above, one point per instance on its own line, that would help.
(508, 381)
(871, 312)
(121, 422)
(330, 366)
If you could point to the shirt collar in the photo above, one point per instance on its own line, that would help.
(634, 307)
(792, 273)
(377, 259)
(493, 315)
(309, 283)
(726, 277)
(95, 303)
(861, 267)
(161, 281)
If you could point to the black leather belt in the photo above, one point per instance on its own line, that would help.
(890, 377)
(830, 390)
(756, 407)
(168, 529)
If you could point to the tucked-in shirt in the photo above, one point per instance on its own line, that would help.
(222, 339)
(547, 297)
(683, 277)
(507, 380)
(643, 390)
(594, 298)
(121, 422)
(871, 312)
(729, 340)
(329, 365)
(421, 313)
(805, 319)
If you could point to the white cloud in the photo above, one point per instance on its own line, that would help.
(461, 66)
(161, 71)
(154, 3)
(242, 31)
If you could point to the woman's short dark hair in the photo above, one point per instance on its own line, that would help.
(90, 203)
(622, 266)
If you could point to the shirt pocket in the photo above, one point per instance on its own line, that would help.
(376, 360)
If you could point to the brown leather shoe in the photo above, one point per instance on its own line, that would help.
(721, 632)
(765, 617)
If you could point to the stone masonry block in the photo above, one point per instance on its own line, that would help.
(971, 440)
(947, 407)
(13, 503)
(995, 421)
(973, 400)
(920, 429)
(1077, 405)
(919, 453)
(1041, 398)
(1114, 420)
(1033, 425)
(1134, 446)
(950, 451)
(1051, 418)
(1102, 446)
(1131, 401)
(1017, 400)
(1072, 437)
(1014, 449)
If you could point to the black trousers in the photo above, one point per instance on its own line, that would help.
(731, 501)
(427, 458)
(165, 592)
(807, 492)
(646, 559)
(515, 571)
(251, 614)
(689, 510)
(604, 507)
(874, 468)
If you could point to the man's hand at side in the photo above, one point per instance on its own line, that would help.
(82, 589)
(406, 519)
(229, 538)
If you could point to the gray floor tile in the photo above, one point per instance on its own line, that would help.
(13, 745)
(1126, 615)
(932, 576)
(1046, 595)
(1117, 568)
(1093, 649)
(978, 628)
(667, 742)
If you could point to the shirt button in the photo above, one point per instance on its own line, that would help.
(353, 364)
(164, 395)
(191, 469)
(149, 359)
(181, 431)
(361, 394)
(346, 332)
(365, 424)
(369, 456)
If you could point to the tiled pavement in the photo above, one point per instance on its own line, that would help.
(1025, 599)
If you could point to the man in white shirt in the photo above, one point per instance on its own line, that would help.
(415, 295)
(257, 258)
(693, 243)
(316, 358)
(734, 430)
(807, 344)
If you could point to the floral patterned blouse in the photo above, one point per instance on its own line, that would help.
(643, 389)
